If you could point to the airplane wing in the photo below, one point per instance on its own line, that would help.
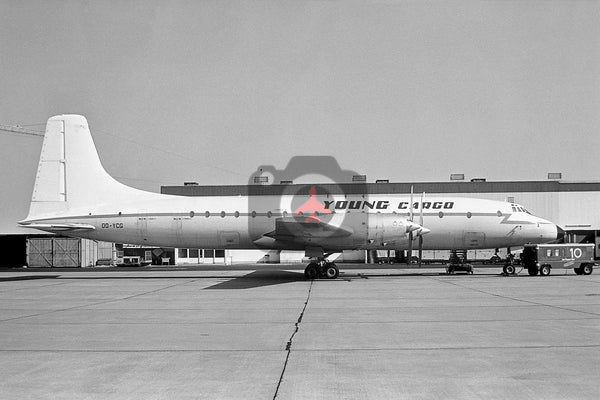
(292, 230)
(58, 227)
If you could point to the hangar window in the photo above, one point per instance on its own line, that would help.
(222, 214)
(469, 214)
(441, 214)
(253, 214)
(193, 253)
(182, 253)
(236, 214)
(207, 214)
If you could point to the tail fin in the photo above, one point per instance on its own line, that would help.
(70, 176)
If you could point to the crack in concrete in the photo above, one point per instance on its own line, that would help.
(288, 346)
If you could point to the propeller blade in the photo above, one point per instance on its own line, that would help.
(409, 253)
(410, 232)
(411, 204)
(421, 210)
(421, 231)
(420, 249)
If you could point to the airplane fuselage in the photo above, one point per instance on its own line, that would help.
(227, 222)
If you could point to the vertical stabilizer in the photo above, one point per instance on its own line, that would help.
(70, 176)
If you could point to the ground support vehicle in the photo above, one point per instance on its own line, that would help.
(542, 258)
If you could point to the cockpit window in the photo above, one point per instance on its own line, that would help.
(518, 208)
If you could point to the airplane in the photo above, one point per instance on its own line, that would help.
(73, 195)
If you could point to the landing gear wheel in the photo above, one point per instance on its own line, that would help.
(532, 271)
(545, 270)
(312, 271)
(508, 269)
(331, 271)
(587, 269)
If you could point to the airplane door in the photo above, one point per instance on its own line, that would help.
(474, 239)
(142, 228)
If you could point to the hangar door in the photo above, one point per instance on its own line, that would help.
(53, 252)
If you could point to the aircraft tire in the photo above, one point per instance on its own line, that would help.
(545, 270)
(331, 271)
(532, 271)
(587, 269)
(311, 272)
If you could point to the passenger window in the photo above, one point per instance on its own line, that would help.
(237, 214)
(253, 214)
(222, 214)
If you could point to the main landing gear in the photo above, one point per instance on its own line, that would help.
(321, 269)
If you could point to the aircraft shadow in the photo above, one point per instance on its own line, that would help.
(259, 279)
(27, 277)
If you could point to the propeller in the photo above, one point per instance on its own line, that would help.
(410, 233)
(420, 232)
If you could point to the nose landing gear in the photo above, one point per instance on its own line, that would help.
(321, 269)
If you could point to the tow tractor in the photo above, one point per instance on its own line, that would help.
(542, 258)
(458, 262)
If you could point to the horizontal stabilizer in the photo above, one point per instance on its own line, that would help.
(58, 227)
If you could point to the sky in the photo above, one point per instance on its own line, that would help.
(209, 91)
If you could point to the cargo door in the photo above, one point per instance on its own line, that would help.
(229, 240)
(474, 240)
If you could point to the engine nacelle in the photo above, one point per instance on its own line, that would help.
(389, 230)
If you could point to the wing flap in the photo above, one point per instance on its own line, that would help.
(293, 230)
